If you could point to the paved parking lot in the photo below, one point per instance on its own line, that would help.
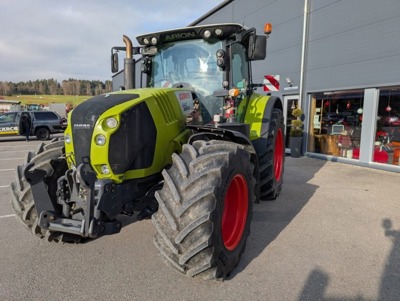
(333, 234)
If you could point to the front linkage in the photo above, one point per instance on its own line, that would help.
(84, 205)
(79, 196)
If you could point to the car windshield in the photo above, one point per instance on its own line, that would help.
(192, 63)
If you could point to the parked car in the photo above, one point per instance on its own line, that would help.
(43, 124)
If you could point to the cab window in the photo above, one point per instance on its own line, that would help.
(192, 62)
(240, 67)
(7, 117)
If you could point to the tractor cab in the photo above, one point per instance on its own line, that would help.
(210, 60)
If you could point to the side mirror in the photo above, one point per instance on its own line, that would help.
(114, 62)
(257, 47)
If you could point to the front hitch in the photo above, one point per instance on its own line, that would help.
(85, 193)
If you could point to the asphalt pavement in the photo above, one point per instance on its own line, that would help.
(333, 234)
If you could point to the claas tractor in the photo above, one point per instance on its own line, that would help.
(193, 151)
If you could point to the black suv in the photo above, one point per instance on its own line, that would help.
(43, 124)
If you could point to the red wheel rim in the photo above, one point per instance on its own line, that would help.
(235, 209)
(278, 155)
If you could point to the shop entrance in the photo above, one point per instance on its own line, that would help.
(335, 123)
(290, 103)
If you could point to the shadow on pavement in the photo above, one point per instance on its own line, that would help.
(389, 290)
(316, 286)
(271, 217)
(390, 280)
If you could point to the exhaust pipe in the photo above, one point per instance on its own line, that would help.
(129, 65)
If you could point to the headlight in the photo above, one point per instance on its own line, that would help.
(218, 32)
(220, 53)
(100, 140)
(67, 139)
(112, 122)
(154, 41)
(207, 34)
(105, 170)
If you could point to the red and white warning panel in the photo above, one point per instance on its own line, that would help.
(271, 82)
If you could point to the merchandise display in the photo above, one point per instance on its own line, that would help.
(387, 137)
(336, 122)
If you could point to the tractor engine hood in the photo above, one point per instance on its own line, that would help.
(128, 134)
(85, 116)
(130, 145)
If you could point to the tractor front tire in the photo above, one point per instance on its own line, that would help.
(205, 209)
(272, 158)
(21, 192)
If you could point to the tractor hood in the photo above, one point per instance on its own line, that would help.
(123, 134)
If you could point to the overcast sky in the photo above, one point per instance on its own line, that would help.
(45, 39)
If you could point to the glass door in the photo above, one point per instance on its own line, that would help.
(290, 102)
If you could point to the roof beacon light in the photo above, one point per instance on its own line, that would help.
(267, 28)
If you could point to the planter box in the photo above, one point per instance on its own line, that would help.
(295, 146)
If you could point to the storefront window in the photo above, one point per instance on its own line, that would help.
(335, 123)
(387, 136)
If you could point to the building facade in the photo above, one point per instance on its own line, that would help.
(339, 62)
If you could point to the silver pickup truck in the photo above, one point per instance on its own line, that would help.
(43, 124)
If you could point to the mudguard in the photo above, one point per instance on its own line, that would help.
(258, 110)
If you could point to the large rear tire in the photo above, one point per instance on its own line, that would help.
(205, 209)
(21, 191)
(272, 158)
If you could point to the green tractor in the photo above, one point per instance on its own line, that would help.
(193, 151)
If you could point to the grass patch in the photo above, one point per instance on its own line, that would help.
(47, 99)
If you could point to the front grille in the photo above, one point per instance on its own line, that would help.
(132, 146)
(84, 118)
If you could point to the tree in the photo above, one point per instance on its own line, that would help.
(52, 87)
(6, 88)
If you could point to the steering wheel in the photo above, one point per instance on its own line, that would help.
(183, 86)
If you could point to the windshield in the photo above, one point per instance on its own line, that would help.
(190, 62)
